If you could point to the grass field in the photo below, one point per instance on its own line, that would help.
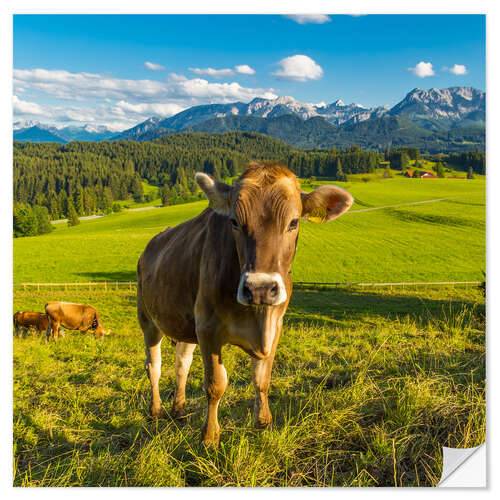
(437, 241)
(366, 388)
(367, 385)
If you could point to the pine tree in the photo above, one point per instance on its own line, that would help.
(79, 206)
(137, 189)
(43, 220)
(73, 219)
(340, 176)
(166, 195)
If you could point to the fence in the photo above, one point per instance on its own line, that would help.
(115, 285)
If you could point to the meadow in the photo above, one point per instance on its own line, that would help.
(367, 386)
(436, 241)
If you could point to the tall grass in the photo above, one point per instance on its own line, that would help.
(366, 389)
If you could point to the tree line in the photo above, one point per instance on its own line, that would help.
(85, 178)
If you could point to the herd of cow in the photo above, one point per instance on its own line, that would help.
(66, 314)
(223, 277)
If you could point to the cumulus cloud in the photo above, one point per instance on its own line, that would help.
(153, 66)
(422, 69)
(215, 73)
(157, 109)
(119, 103)
(242, 69)
(177, 88)
(457, 69)
(298, 68)
(31, 108)
(309, 18)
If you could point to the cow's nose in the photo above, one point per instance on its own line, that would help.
(261, 293)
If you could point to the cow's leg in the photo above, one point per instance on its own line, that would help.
(183, 360)
(261, 377)
(215, 385)
(152, 364)
(47, 333)
(55, 330)
(153, 369)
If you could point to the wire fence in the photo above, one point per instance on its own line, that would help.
(131, 285)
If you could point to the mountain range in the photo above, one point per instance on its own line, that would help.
(434, 120)
(40, 132)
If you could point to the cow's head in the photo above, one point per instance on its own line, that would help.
(264, 207)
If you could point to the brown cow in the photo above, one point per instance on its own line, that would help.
(73, 317)
(23, 321)
(224, 278)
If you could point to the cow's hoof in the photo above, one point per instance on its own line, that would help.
(155, 411)
(178, 413)
(264, 423)
(210, 438)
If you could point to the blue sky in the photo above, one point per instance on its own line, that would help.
(92, 68)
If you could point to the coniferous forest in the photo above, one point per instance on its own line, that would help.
(55, 181)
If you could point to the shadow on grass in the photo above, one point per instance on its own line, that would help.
(130, 275)
(327, 307)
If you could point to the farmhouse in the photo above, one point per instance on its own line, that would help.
(424, 174)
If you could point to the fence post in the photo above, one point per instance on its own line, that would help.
(38, 286)
(130, 285)
(105, 285)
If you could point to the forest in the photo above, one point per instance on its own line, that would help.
(84, 178)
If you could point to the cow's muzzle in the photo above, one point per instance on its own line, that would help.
(261, 289)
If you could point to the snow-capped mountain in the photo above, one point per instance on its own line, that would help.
(35, 131)
(450, 105)
(432, 109)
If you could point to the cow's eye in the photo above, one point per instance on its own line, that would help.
(293, 225)
(234, 224)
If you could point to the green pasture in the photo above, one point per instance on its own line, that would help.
(436, 241)
(367, 386)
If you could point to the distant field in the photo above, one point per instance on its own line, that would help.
(366, 388)
(437, 241)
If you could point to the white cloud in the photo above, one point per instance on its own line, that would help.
(422, 69)
(309, 18)
(298, 68)
(458, 69)
(215, 73)
(31, 108)
(153, 66)
(157, 109)
(244, 69)
(118, 103)
(89, 86)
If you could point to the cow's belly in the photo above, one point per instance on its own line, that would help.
(174, 321)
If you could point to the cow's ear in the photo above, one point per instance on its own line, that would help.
(325, 203)
(218, 193)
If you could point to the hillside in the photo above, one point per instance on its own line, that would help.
(374, 134)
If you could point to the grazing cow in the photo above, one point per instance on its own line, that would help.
(224, 278)
(73, 317)
(23, 321)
